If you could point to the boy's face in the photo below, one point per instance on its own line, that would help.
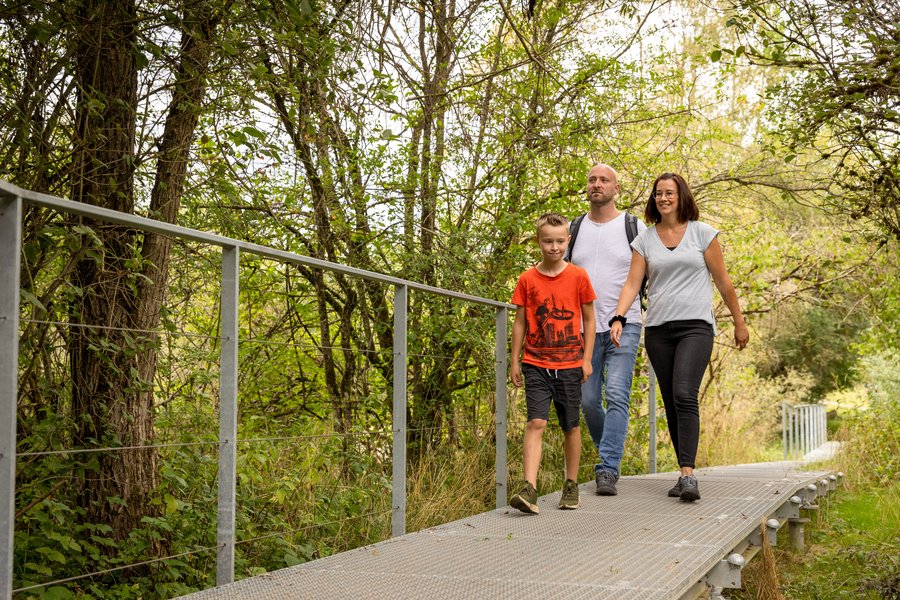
(553, 240)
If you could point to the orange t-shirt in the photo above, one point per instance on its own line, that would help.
(552, 308)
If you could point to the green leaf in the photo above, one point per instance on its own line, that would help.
(715, 55)
(52, 554)
(57, 592)
(32, 299)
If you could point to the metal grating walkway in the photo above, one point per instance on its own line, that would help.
(639, 544)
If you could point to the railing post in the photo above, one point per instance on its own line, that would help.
(824, 417)
(500, 367)
(784, 430)
(10, 263)
(228, 382)
(807, 431)
(398, 486)
(651, 417)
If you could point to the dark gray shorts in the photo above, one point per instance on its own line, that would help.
(562, 386)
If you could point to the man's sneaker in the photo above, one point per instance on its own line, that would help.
(569, 498)
(526, 500)
(606, 483)
(675, 492)
(690, 490)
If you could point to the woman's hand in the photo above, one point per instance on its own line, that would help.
(741, 335)
(615, 332)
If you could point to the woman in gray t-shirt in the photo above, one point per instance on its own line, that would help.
(679, 254)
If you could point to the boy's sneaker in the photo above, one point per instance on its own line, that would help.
(675, 492)
(606, 483)
(690, 490)
(526, 500)
(569, 498)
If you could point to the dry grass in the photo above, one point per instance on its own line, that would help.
(766, 581)
(448, 485)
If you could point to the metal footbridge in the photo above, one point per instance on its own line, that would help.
(640, 544)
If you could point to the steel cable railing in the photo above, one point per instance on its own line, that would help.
(12, 202)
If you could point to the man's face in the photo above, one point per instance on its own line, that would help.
(602, 187)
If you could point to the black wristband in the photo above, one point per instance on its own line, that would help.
(618, 318)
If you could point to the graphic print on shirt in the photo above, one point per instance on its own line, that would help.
(552, 333)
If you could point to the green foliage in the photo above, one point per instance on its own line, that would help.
(838, 96)
(818, 342)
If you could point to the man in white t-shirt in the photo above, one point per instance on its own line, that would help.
(602, 248)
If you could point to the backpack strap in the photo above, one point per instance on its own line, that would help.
(631, 232)
(573, 233)
(631, 228)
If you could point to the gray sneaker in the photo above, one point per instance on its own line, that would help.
(569, 498)
(526, 500)
(690, 489)
(675, 492)
(606, 483)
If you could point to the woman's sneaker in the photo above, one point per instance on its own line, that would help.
(690, 489)
(569, 497)
(675, 492)
(526, 500)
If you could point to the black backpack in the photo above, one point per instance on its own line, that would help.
(631, 232)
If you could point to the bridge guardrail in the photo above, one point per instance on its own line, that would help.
(12, 201)
(803, 428)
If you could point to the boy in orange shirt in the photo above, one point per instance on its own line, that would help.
(555, 321)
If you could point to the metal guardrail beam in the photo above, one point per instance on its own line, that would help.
(167, 229)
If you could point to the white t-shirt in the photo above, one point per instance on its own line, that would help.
(602, 250)
(679, 285)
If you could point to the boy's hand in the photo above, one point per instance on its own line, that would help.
(586, 369)
(516, 374)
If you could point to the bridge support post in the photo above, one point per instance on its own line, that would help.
(398, 471)
(10, 263)
(228, 383)
(500, 358)
(795, 533)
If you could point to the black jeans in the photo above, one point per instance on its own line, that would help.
(679, 352)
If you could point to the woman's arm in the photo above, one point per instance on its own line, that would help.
(715, 262)
(629, 292)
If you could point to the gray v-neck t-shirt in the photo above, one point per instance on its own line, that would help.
(679, 285)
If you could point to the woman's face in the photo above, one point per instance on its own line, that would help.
(667, 198)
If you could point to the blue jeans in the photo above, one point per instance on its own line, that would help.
(613, 369)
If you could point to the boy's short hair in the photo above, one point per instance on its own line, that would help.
(553, 219)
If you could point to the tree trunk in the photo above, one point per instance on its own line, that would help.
(111, 364)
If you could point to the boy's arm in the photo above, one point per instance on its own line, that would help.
(518, 337)
(590, 330)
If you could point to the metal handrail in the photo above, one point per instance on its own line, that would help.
(12, 200)
(803, 428)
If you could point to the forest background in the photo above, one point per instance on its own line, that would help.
(419, 140)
